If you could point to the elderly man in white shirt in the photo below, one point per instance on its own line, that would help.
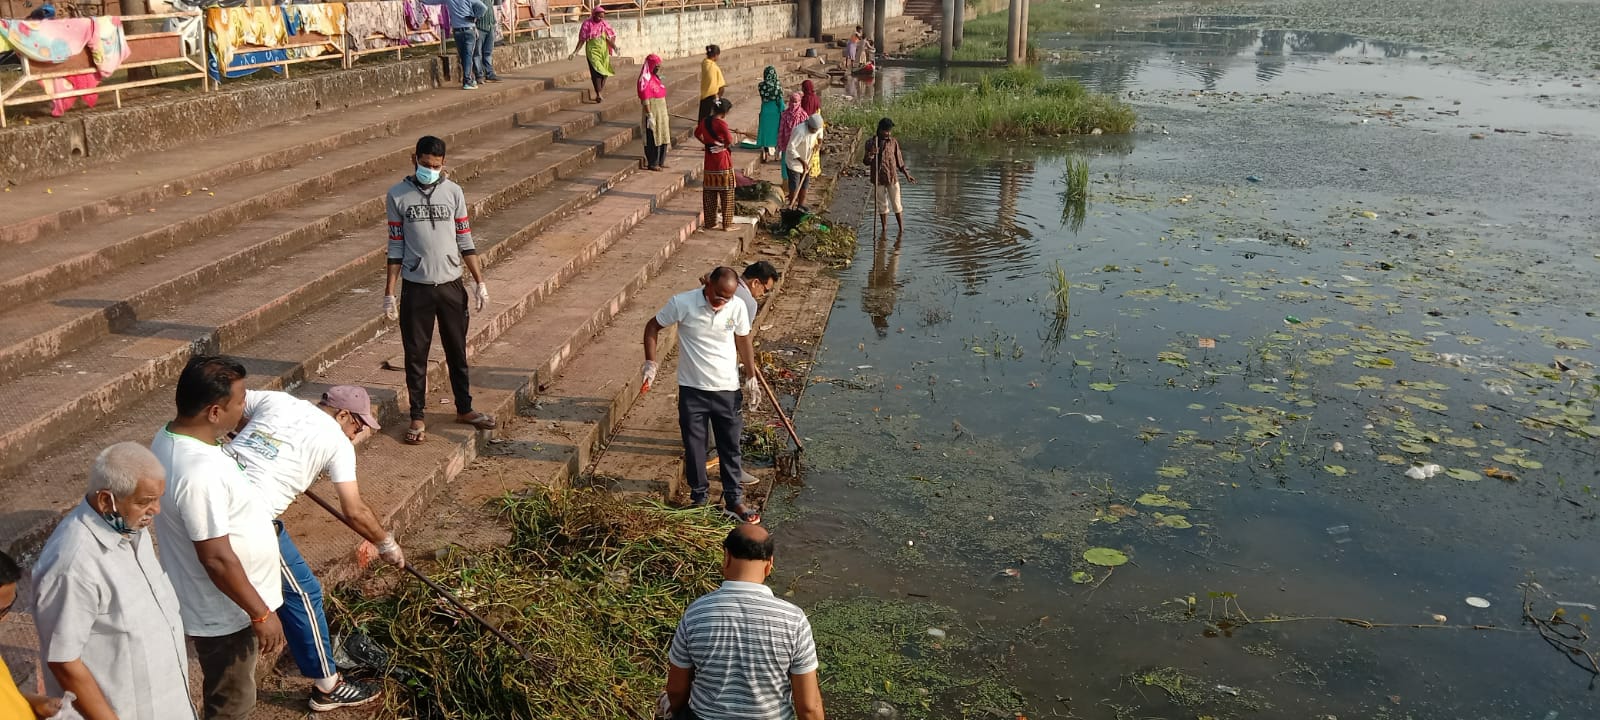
(713, 341)
(107, 617)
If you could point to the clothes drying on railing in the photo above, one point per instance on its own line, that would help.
(426, 22)
(385, 19)
(244, 39)
(51, 42)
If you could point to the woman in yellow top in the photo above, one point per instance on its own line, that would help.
(711, 82)
(13, 702)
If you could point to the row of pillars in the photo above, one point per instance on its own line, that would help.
(954, 26)
(809, 18)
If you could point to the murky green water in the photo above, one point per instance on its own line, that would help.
(1276, 310)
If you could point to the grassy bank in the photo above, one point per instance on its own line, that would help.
(1011, 104)
(984, 37)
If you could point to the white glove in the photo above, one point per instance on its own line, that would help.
(752, 393)
(391, 309)
(483, 296)
(391, 553)
(648, 372)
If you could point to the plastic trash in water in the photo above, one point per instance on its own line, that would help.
(1338, 529)
(1253, 178)
(936, 633)
(1477, 602)
(1423, 472)
(1291, 320)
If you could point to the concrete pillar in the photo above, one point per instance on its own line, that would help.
(802, 18)
(816, 20)
(1022, 47)
(947, 32)
(880, 8)
(866, 20)
(961, 22)
(1014, 33)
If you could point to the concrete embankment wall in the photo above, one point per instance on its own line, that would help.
(43, 149)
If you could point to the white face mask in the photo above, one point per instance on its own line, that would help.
(427, 175)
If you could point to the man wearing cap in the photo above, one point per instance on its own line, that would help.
(283, 444)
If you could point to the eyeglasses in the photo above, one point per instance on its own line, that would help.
(233, 455)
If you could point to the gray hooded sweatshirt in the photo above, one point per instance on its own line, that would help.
(428, 231)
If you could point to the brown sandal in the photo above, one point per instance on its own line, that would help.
(479, 420)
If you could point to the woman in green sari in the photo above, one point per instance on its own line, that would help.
(771, 113)
(598, 42)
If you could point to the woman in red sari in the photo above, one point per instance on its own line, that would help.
(719, 178)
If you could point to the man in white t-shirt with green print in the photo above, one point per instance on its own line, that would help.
(217, 544)
(283, 446)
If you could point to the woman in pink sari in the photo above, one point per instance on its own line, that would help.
(657, 123)
(598, 42)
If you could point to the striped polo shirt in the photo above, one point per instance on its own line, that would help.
(743, 643)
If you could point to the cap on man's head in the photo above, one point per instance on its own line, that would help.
(885, 125)
(352, 399)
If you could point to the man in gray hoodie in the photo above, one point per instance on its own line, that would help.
(430, 240)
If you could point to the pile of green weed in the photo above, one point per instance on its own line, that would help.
(592, 586)
(1010, 104)
(818, 238)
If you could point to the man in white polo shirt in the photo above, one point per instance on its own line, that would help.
(741, 653)
(713, 340)
(285, 444)
(217, 544)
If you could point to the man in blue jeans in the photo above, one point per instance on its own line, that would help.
(283, 444)
(464, 16)
(488, 33)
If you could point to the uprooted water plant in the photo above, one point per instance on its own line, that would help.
(593, 586)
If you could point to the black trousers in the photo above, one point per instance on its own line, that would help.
(420, 307)
(655, 153)
(708, 105)
(696, 408)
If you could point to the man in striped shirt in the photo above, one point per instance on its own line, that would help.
(740, 653)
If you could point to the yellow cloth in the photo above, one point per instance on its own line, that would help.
(816, 155)
(12, 705)
(710, 78)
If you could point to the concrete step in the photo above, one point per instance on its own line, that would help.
(131, 407)
(572, 415)
(112, 370)
(63, 260)
(34, 333)
(135, 185)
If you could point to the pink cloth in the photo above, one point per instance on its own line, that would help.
(68, 84)
(792, 116)
(595, 27)
(650, 85)
(50, 41)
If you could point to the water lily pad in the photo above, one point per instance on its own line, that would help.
(1527, 464)
(1196, 406)
(1083, 363)
(1103, 386)
(1506, 459)
(1160, 500)
(1336, 470)
(1169, 471)
(1461, 442)
(1393, 459)
(1230, 456)
(1413, 448)
(1176, 522)
(1105, 557)
(1463, 474)
(1082, 577)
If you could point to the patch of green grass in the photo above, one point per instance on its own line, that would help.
(881, 651)
(1010, 104)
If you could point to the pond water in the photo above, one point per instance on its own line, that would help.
(1275, 312)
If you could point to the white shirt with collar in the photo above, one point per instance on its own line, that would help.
(103, 598)
(749, 298)
(707, 357)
